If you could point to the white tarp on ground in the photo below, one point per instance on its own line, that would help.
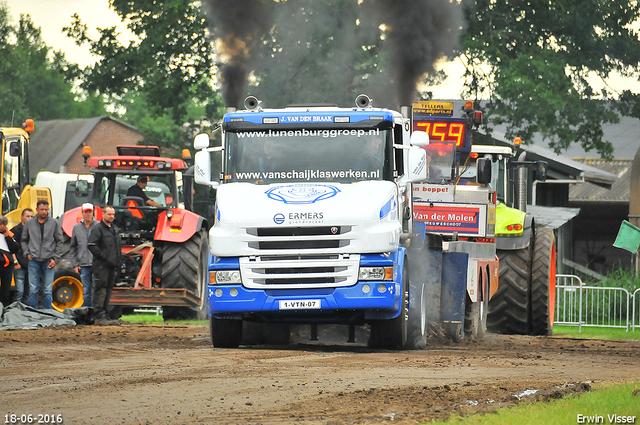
(21, 316)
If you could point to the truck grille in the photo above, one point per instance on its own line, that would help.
(299, 271)
(299, 238)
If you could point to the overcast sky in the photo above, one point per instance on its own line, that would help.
(52, 15)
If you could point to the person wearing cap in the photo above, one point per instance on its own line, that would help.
(138, 190)
(81, 257)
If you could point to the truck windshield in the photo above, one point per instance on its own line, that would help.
(338, 155)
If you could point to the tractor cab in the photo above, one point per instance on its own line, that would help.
(158, 230)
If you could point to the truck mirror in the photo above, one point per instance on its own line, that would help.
(483, 170)
(202, 169)
(14, 149)
(419, 138)
(541, 171)
(201, 141)
(82, 188)
(417, 171)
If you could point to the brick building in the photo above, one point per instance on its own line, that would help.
(56, 145)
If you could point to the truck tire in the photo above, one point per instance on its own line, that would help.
(475, 314)
(392, 334)
(184, 265)
(225, 333)
(276, 333)
(509, 306)
(543, 282)
(417, 321)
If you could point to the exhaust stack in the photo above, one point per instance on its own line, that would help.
(407, 112)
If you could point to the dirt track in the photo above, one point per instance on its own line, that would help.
(170, 374)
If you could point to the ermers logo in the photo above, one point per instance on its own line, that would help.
(302, 193)
(306, 216)
(278, 218)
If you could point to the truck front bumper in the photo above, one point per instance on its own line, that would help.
(371, 296)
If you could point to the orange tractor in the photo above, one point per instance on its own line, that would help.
(165, 248)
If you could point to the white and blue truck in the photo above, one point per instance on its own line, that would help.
(323, 215)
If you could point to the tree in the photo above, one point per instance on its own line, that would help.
(532, 60)
(34, 81)
(164, 77)
(170, 61)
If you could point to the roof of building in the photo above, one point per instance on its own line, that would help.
(552, 217)
(619, 192)
(53, 142)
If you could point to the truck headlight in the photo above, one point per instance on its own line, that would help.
(375, 273)
(224, 277)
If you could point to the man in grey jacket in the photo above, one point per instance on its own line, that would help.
(42, 245)
(81, 257)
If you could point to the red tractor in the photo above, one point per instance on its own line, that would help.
(165, 248)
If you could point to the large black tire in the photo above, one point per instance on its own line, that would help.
(392, 334)
(475, 314)
(543, 280)
(417, 321)
(509, 307)
(184, 265)
(276, 333)
(225, 333)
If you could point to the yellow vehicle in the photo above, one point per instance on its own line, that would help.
(17, 193)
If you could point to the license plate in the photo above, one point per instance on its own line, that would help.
(299, 304)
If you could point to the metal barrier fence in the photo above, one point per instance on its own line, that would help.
(595, 306)
(635, 317)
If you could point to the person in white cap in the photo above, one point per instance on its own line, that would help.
(81, 257)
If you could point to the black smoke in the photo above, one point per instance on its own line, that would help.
(239, 26)
(417, 34)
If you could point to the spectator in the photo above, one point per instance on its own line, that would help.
(138, 190)
(104, 244)
(20, 270)
(42, 245)
(8, 247)
(81, 257)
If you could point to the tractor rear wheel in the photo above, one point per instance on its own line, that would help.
(184, 266)
(509, 306)
(543, 282)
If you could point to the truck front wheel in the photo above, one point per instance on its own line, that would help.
(393, 333)
(225, 333)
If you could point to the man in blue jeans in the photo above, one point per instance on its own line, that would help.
(20, 271)
(42, 245)
(81, 257)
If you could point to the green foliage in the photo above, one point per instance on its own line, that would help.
(34, 81)
(595, 333)
(154, 319)
(170, 61)
(618, 278)
(161, 82)
(606, 399)
(539, 54)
